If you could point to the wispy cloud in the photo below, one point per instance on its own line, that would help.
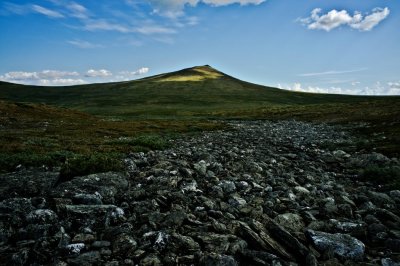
(17, 9)
(28, 9)
(77, 10)
(84, 44)
(334, 19)
(331, 72)
(148, 30)
(104, 25)
(47, 12)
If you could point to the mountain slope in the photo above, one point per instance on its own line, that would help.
(199, 91)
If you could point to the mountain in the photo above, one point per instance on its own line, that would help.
(197, 91)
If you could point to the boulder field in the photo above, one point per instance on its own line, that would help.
(261, 193)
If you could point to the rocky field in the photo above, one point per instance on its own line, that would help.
(264, 193)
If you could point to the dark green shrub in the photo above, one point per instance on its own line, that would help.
(80, 165)
(153, 142)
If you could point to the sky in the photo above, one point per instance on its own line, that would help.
(333, 46)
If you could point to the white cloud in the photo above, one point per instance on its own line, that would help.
(43, 78)
(394, 85)
(98, 73)
(66, 78)
(355, 83)
(370, 21)
(45, 74)
(394, 88)
(56, 74)
(84, 44)
(19, 75)
(174, 8)
(47, 12)
(140, 71)
(376, 89)
(334, 19)
(60, 82)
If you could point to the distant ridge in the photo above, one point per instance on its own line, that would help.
(197, 91)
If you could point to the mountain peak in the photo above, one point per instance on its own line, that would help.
(196, 73)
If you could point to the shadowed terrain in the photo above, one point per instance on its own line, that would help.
(194, 92)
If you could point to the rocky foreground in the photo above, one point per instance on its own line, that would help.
(265, 193)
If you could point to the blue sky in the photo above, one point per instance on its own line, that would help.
(341, 46)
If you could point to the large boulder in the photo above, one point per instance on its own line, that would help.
(342, 245)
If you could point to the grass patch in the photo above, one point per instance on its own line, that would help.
(36, 135)
(388, 175)
(146, 142)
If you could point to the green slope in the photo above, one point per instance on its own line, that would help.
(198, 91)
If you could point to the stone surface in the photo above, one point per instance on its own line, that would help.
(244, 196)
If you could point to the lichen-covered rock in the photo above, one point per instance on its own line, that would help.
(291, 221)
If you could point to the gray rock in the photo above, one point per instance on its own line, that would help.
(215, 242)
(101, 244)
(301, 190)
(42, 216)
(88, 199)
(86, 259)
(190, 186)
(342, 245)
(286, 239)
(108, 185)
(260, 239)
(213, 259)
(27, 183)
(395, 195)
(20, 258)
(380, 198)
(201, 168)
(228, 186)
(184, 244)
(389, 262)
(124, 245)
(291, 221)
(348, 227)
(237, 201)
(75, 249)
(151, 260)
